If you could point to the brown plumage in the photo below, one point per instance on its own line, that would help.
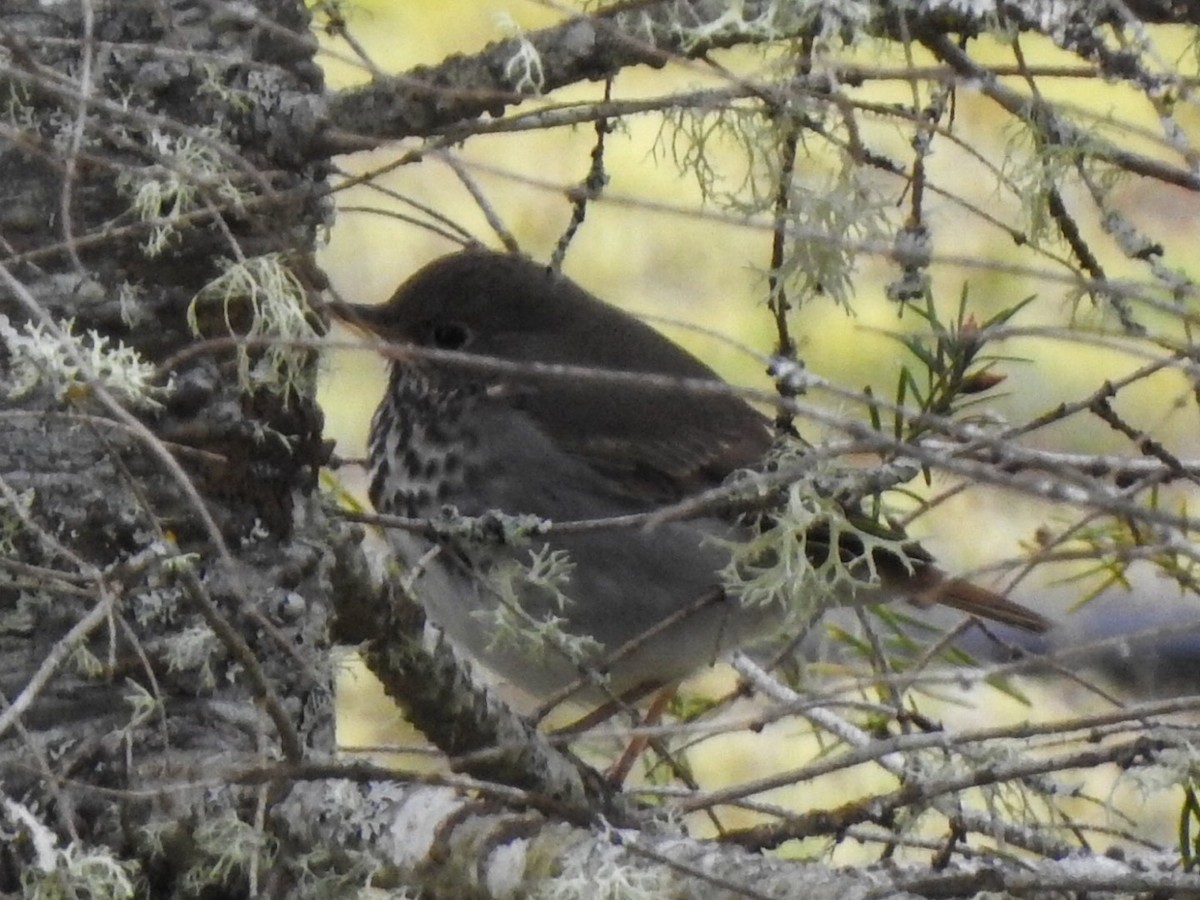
(568, 448)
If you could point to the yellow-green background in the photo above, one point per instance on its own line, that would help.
(701, 267)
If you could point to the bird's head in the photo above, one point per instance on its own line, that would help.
(509, 307)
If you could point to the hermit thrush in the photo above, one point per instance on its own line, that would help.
(523, 439)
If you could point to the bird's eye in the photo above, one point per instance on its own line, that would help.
(449, 335)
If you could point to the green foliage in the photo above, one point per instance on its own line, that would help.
(1112, 544)
(952, 367)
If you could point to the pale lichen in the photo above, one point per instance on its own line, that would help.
(70, 364)
(279, 328)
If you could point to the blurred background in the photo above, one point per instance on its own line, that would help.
(657, 244)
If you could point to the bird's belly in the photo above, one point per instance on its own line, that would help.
(618, 591)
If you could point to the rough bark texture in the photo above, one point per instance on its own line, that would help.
(167, 570)
(200, 651)
(439, 99)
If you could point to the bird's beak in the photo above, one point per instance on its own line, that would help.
(361, 317)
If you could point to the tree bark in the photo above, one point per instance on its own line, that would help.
(169, 572)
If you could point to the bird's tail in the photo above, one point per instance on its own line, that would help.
(976, 601)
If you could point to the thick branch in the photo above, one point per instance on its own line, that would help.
(462, 87)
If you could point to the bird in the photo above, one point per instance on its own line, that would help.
(476, 421)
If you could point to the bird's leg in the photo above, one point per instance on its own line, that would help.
(619, 771)
(607, 710)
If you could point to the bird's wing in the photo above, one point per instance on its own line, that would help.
(655, 446)
(649, 450)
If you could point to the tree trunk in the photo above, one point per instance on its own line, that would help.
(169, 573)
(167, 565)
